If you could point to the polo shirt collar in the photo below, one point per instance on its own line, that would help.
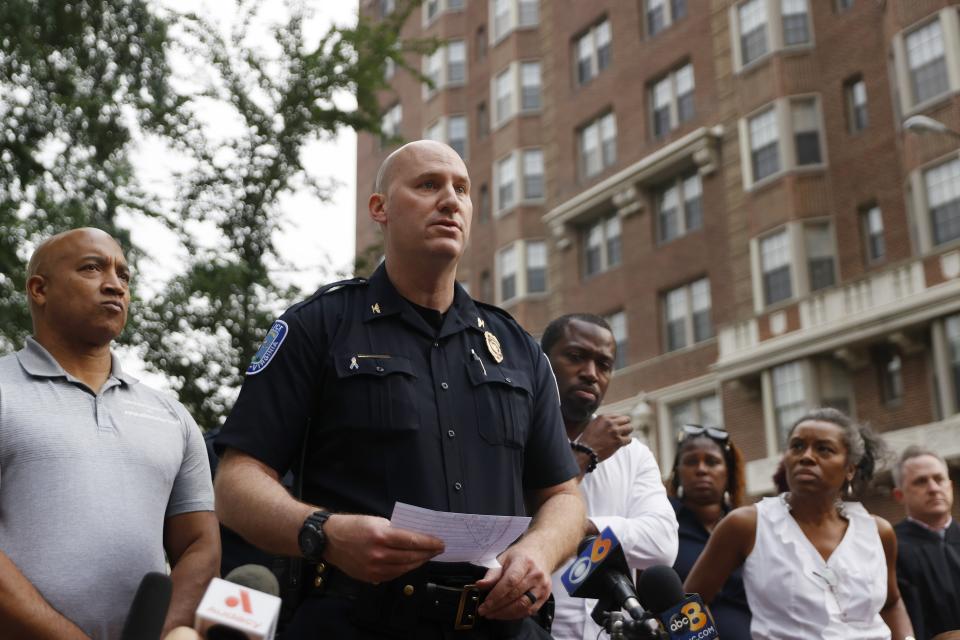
(383, 300)
(38, 362)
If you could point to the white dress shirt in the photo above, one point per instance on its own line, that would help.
(625, 493)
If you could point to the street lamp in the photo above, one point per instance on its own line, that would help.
(925, 124)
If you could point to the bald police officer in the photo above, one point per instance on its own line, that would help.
(401, 388)
(100, 476)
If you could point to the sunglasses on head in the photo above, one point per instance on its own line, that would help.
(693, 430)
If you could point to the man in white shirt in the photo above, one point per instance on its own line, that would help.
(619, 476)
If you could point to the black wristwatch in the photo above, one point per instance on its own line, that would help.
(312, 539)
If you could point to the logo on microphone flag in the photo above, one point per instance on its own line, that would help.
(243, 601)
(588, 559)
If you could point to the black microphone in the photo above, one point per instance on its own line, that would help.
(243, 606)
(683, 616)
(600, 571)
(148, 611)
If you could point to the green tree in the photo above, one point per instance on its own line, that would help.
(75, 78)
(205, 326)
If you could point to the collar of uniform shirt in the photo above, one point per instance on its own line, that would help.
(940, 532)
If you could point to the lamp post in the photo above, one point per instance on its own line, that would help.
(925, 124)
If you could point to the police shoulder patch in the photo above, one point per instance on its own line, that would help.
(271, 344)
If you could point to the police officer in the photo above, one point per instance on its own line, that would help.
(401, 388)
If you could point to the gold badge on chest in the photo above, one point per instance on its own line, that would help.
(493, 346)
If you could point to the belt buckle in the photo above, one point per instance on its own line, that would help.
(467, 608)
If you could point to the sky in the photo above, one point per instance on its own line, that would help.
(317, 238)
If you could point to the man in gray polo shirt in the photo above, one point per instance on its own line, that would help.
(99, 475)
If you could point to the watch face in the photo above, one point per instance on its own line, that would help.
(307, 542)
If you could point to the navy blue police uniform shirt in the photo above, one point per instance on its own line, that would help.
(399, 411)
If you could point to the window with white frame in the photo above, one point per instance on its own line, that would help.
(536, 266)
(796, 22)
(532, 174)
(390, 124)
(503, 96)
(433, 8)
(457, 134)
(775, 266)
(445, 67)
(456, 62)
(951, 327)
(927, 62)
(433, 71)
(671, 100)
(598, 145)
(602, 247)
(530, 86)
(704, 410)
(856, 96)
(521, 269)
(764, 144)
(592, 50)
(942, 184)
(434, 131)
(518, 177)
(660, 14)
(679, 207)
(786, 135)
(752, 23)
(618, 326)
(790, 396)
(507, 270)
(686, 312)
(871, 224)
(818, 239)
(509, 15)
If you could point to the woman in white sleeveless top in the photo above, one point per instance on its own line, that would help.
(814, 566)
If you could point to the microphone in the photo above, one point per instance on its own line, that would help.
(684, 617)
(600, 571)
(245, 606)
(148, 611)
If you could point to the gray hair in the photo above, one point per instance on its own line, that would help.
(911, 452)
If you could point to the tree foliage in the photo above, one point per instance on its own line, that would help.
(273, 98)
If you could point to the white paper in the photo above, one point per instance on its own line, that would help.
(469, 537)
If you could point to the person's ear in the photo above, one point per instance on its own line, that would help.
(377, 205)
(37, 290)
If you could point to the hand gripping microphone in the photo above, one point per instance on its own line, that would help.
(245, 606)
(149, 608)
(684, 617)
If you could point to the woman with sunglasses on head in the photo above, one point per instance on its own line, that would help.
(815, 564)
(705, 484)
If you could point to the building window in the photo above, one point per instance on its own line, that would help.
(687, 315)
(434, 131)
(789, 396)
(593, 52)
(806, 131)
(602, 245)
(856, 96)
(536, 266)
(506, 180)
(819, 252)
(598, 145)
(671, 100)
(431, 9)
(842, 5)
(679, 205)
(529, 86)
(618, 326)
(871, 222)
(390, 124)
(457, 134)
(387, 7)
(662, 13)
(952, 334)
(532, 174)
(927, 61)
(704, 410)
(943, 198)
(764, 144)
(775, 264)
(456, 62)
(509, 15)
(507, 266)
(795, 17)
(447, 66)
(503, 96)
(752, 17)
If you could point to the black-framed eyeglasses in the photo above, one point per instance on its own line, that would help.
(693, 430)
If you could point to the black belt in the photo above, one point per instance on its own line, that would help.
(446, 595)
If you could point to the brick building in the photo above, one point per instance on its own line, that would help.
(729, 182)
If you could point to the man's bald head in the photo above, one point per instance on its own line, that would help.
(388, 166)
(47, 250)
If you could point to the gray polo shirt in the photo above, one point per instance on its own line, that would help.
(87, 480)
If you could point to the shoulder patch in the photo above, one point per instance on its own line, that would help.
(271, 344)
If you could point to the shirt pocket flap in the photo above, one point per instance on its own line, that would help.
(514, 378)
(350, 364)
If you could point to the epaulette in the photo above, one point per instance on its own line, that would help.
(329, 288)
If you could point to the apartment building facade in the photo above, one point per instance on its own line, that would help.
(729, 182)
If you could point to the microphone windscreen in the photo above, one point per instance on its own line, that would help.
(255, 576)
(149, 608)
(659, 588)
